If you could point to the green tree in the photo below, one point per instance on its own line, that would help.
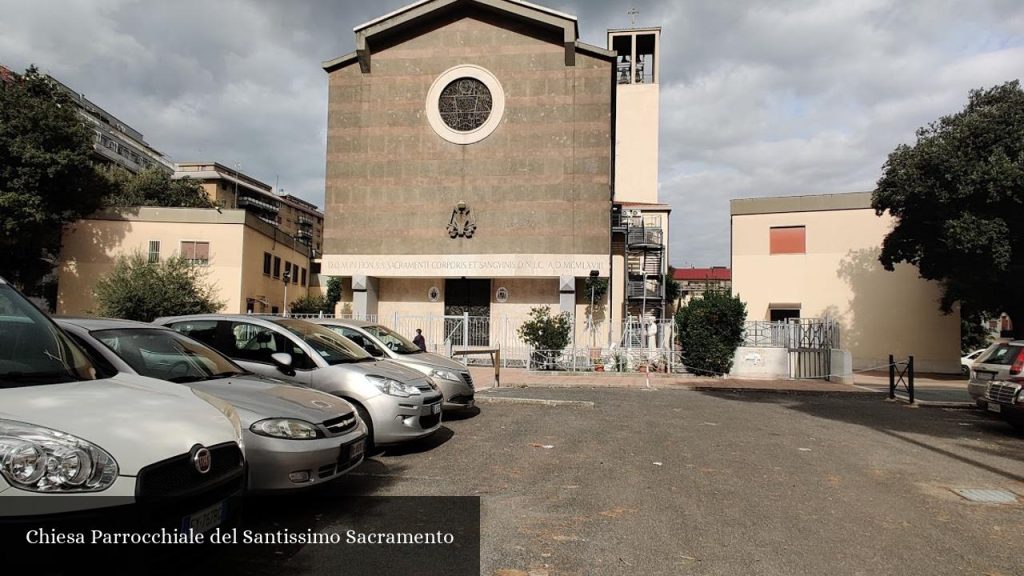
(311, 304)
(599, 286)
(333, 291)
(672, 288)
(973, 334)
(545, 332)
(137, 289)
(957, 195)
(710, 329)
(47, 178)
(153, 187)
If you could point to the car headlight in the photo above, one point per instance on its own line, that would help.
(393, 387)
(288, 428)
(446, 375)
(39, 459)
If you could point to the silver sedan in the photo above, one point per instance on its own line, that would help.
(398, 404)
(293, 437)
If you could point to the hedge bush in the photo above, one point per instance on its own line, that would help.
(710, 329)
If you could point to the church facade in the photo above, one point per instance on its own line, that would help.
(473, 166)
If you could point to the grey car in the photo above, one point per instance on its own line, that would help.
(293, 437)
(997, 380)
(451, 377)
(396, 403)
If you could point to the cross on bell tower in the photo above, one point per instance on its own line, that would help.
(633, 13)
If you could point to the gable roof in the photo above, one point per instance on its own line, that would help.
(394, 23)
(416, 5)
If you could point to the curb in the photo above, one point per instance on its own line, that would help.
(936, 403)
(532, 401)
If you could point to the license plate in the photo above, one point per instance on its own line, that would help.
(204, 520)
(356, 450)
(436, 408)
(994, 408)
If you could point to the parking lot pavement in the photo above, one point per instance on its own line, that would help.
(714, 482)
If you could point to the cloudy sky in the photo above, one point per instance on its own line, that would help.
(758, 98)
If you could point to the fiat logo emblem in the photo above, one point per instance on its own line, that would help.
(201, 459)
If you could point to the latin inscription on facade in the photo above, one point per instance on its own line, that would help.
(476, 265)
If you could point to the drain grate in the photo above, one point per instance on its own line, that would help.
(987, 496)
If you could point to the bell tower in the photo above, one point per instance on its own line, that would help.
(637, 93)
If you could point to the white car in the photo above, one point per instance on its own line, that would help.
(967, 361)
(134, 452)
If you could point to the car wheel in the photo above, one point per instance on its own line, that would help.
(965, 371)
(365, 417)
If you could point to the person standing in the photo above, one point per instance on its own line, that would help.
(419, 341)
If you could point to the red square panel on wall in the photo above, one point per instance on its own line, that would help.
(788, 240)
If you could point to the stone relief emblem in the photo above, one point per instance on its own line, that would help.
(462, 222)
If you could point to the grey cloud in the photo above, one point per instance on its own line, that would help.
(758, 98)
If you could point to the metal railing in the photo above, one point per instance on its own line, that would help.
(650, 289)
(638, 343)
(901, 373)
(644, 236)
(257, 203)
(806, 333)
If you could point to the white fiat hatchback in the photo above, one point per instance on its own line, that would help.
(79, 446)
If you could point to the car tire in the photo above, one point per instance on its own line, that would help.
(365, 417)
(965, 371)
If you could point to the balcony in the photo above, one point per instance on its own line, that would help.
(641, 289)
(302, 234)
(270, 221)
(257, 205)
(304, 221)
(644, 237)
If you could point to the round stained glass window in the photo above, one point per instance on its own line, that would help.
(465, 104)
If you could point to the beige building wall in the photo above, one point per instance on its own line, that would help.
(839, 276)
(538, 185)
(91, 247)
(224, 185)
(636, 143)
(266, 291)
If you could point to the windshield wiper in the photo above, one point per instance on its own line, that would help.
(186, 379)
(224, 374)
(204, 378)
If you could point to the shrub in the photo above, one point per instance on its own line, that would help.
(710, 329)
(545, 332)
(311, 304)
(137, 289)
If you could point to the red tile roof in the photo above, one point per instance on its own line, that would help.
(692, 274)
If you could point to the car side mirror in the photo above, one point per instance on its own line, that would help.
(283, 362)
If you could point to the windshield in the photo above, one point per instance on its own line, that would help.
(33, 350)
(393, 340)
(166, 355)
(333, 348)
(1002, 354)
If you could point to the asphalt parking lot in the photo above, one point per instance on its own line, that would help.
(691, 482)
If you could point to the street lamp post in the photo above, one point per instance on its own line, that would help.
(287, 277)
(593, 280)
